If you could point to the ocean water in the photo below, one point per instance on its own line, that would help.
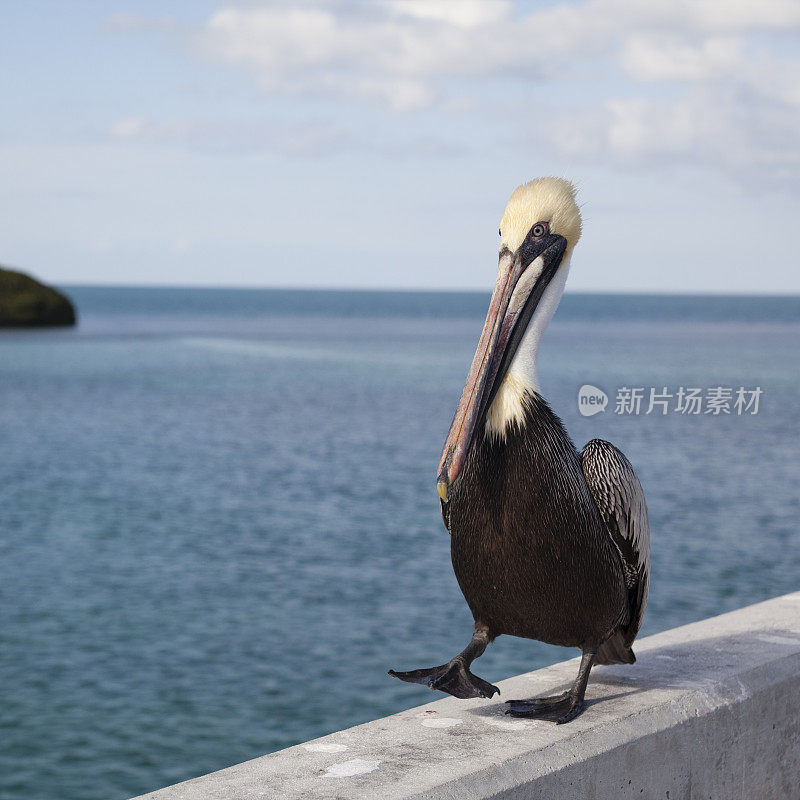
(219, 524)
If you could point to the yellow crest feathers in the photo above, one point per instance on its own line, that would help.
(549, 200)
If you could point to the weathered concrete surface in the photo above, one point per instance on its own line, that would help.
(711, 710)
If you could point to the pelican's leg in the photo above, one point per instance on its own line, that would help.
(455, 677)
(560, 708)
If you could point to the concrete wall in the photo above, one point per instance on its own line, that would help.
(710, 710)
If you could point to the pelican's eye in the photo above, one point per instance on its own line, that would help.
(499, 232)
(539, 230)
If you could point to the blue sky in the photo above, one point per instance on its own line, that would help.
(335, 143)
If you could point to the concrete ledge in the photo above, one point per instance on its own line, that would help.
(711, 710)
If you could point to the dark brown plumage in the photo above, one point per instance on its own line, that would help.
(546, 544)
(530, 550)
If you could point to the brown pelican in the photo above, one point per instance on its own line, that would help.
(546, 543)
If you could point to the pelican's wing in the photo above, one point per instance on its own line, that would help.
(620, 500)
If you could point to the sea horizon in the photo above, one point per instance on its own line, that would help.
(69, 285)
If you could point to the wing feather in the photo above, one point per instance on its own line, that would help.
(619, 498)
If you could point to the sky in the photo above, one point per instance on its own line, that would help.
(331, 143)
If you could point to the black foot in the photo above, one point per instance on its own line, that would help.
(559, 709)
(453, 678)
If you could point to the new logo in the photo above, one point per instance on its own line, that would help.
(591, 400)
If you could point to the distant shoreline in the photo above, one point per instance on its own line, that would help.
(401, 291)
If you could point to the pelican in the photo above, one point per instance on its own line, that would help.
(547, 543)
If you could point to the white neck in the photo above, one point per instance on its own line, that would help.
(508, 406)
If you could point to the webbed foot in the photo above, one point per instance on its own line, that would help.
(453, 678)
(560, 708)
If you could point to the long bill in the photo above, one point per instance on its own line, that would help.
(517, 291)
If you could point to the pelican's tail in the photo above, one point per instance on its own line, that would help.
(615, 651)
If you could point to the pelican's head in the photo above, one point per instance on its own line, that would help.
(539, 227)
(549, 201)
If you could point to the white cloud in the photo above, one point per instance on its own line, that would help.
(307, 138)
(669, 58)
(706, 81)
(753, 142)
(391, 53)
(463, 14)
(128, 128)
(404, 52)
(310, 138)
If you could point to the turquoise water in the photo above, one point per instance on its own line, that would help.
(219, 525)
